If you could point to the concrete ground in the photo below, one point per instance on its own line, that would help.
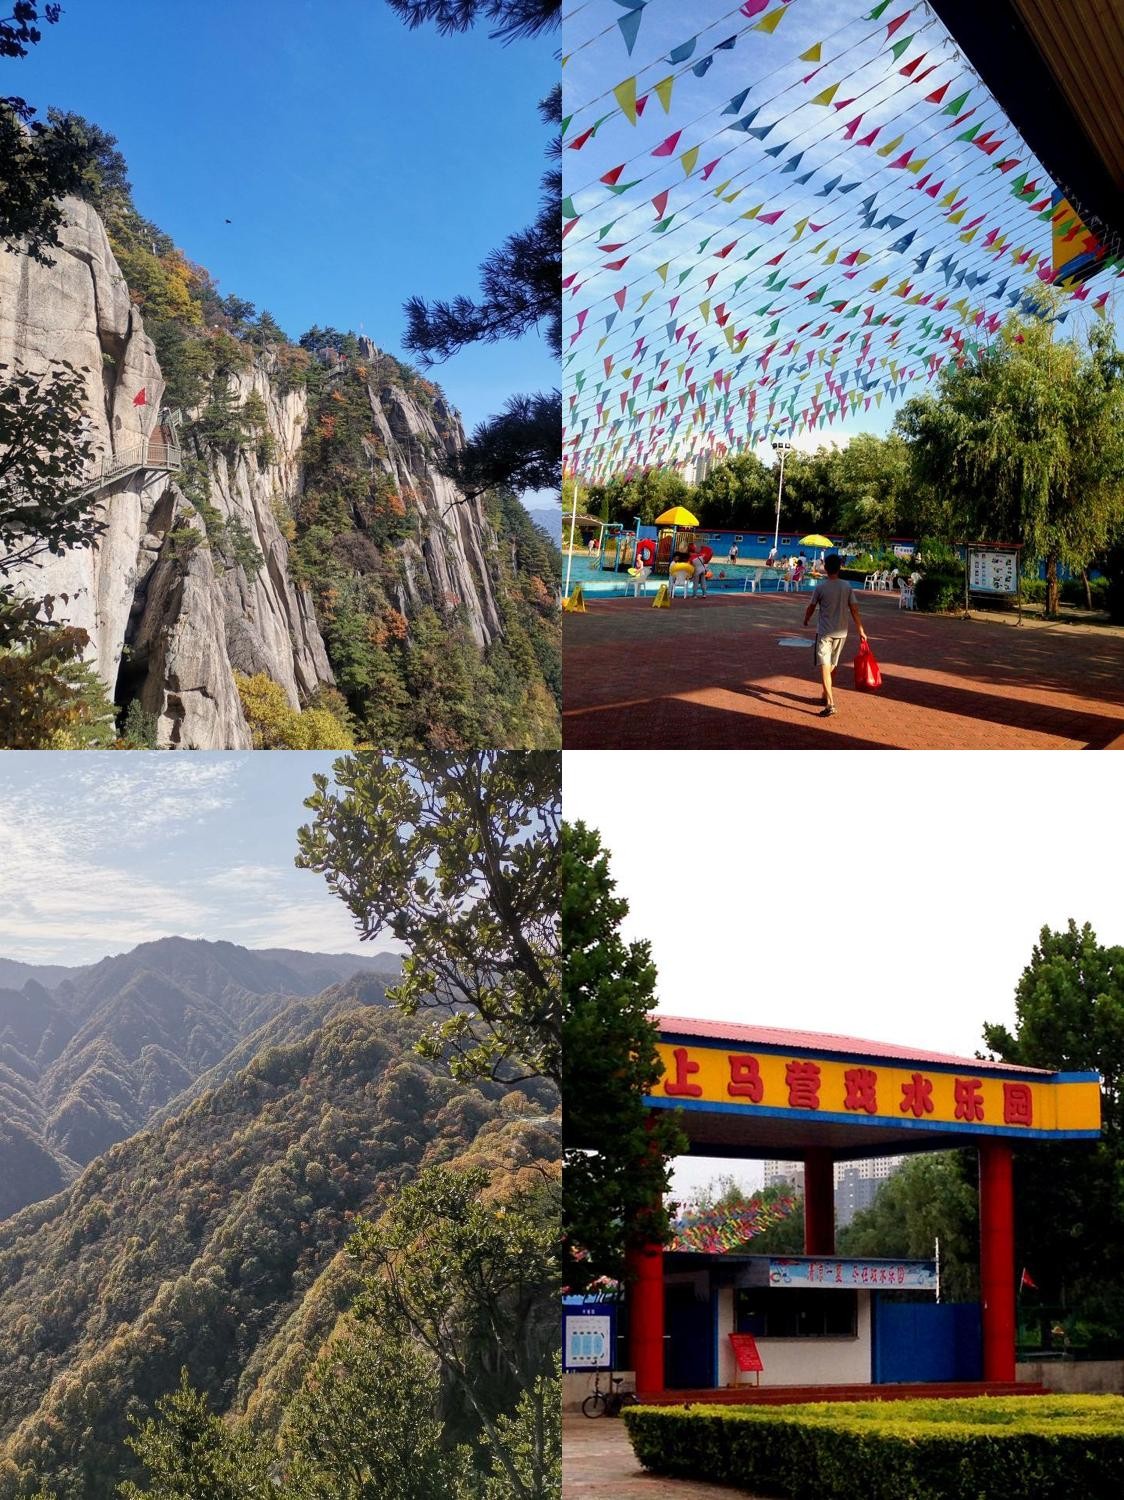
(711, 673)
(598, 1461)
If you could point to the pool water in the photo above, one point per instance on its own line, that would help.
(587, 571)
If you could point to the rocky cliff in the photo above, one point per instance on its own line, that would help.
(172, 609)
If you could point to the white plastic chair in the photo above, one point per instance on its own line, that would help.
(870, 582)
(750, 581)
(905, 596)
(675, 580)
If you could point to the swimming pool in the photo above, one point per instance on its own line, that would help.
(587, 572)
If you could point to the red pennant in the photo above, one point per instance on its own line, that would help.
(912, 67)
(659, 203)
(611, 176)
(937, 95)
(665, 148)
(140, 399)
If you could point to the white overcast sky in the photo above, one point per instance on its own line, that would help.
(910, 923)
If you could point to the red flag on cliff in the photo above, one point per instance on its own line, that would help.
(1028, 1281)
(140, 399)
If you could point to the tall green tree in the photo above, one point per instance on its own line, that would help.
(930, 1197)
(457, 858)
(474, 1280)
(366, 1423)
(646, 493)
(190, 1452)
(739, 491)
(1069, 1010)
(1026, 443)
(618, 1153)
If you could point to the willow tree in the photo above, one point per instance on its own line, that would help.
(1026, 443)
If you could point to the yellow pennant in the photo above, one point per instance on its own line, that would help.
(661, 271)
(625, 95)
(825, 96)
(812, 54)
(688, 160)
(891, 146)
(770, 21)
(663, 92)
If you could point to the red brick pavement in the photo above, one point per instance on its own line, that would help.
(709, 673)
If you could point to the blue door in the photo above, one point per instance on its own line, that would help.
(924, 1340)
(689, 1340)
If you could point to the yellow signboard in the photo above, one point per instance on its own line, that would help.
(872, 1091)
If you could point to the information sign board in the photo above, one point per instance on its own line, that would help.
(993, 570)
(746, 1352)
(587, 1337)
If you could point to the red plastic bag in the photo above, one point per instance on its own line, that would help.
(867, 672)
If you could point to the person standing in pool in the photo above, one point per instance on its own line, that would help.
(834, 599)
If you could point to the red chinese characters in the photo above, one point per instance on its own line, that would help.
(917, 1096)
(861, 1085)
(803, 1079)
(1018, 1104)
(969, 1098)
(745, 1078)
(680, 1087)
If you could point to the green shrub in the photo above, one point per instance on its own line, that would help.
(939, 591)
(1015, 1448)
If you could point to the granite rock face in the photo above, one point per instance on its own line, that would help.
(169, 621)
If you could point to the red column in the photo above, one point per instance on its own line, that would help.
(997, 1261)
(645, 1316)
(819, 1203)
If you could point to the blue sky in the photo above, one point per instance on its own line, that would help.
(101, 852)
(360, 162)
(820, 177)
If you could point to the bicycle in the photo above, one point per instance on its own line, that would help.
(608, 1403)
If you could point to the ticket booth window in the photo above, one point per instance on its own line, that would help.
(796, 1313)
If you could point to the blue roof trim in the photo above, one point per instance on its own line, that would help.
(938, 1127)
(1029, 1075)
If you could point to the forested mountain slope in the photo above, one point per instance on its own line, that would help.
(89, 1062)
(210, 1241)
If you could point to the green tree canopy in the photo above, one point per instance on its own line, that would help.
(1069, 1009)
(617, 1152)
(1026, 443)
(457, 858)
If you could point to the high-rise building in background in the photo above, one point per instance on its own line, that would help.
(856, 1182)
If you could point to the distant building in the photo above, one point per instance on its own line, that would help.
(856, 1182)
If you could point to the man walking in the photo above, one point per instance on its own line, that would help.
(833, 598)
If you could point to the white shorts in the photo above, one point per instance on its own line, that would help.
(827, 650)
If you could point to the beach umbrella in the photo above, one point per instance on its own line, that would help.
(678, 515)
(815, 540)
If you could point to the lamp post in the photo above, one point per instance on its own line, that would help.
(784, 448)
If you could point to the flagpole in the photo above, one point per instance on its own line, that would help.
(570, 552)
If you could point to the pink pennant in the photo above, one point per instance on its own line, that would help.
(618, 297)
(659, 203)
(770, 218)
(665, 148)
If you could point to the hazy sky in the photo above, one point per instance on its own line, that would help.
(911, 923)
(99, 852)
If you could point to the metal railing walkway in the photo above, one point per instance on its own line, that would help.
(160, 456)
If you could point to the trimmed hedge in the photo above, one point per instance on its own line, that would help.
(986, 1448)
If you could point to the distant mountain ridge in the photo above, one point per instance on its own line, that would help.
(89, 1062)
(550, 521)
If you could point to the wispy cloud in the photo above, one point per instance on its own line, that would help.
(99, 853)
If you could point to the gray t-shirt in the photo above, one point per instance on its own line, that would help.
(832, 596)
